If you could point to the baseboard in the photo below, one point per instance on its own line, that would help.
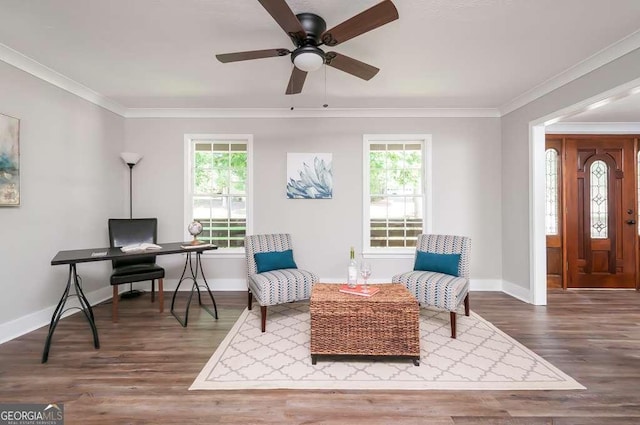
(517, 291)
(214, 284)
(38, 319)
(485, 285)
(241, 284)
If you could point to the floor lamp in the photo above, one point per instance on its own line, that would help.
(131, 159)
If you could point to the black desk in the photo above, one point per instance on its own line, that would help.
(74, 257)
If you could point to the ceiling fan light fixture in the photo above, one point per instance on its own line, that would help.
(308, 58)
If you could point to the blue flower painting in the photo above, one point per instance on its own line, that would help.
(9, 161)
(309, 176)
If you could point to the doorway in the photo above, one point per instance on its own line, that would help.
(595, 245)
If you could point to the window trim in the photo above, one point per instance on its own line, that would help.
(427, 180)
(189, 140)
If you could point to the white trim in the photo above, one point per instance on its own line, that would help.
(390, 253)
(366, 217)
(235, 284)
(312, 113)
(516, 291)
(537, 231)
(23, 325)
(594, 128)
(604, 56)
(537, 239)
(620, 92)
(226, 253)
(186, 202)
(428, 184)
(188, 185)
(494, 285)
(38, 70)
(30, 66)
(30, 322)
(224, 285)
(427, 202)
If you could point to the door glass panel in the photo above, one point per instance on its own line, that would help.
(551, 201)
(599, 212)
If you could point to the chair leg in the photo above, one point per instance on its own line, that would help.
(153, 290)
(263, 314)
(466, 305)
(453, 324)
(160, 294)
(114, 304)
(249, 299)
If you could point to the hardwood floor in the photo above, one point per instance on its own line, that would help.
(147, 361)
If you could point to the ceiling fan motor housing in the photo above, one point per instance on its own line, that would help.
(314, 26)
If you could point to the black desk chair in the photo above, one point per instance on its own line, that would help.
(123, 232)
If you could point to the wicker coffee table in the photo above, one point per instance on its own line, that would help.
(385, 324)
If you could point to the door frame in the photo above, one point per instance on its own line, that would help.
(537, 237)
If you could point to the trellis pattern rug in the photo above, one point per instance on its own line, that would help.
(481, 358)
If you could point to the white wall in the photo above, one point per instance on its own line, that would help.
(72, 180)
(466, 192)
(516, 158)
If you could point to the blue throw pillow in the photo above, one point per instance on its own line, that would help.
(267, 261)
(440, 263)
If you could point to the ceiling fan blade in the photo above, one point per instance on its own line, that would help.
(351, 66)
(252, 54)
(372, 18)
(284, 16)
(296, 81)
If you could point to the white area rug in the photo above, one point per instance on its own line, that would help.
(481, 358)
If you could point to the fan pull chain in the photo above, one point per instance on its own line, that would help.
(325, 105)
(292, 97)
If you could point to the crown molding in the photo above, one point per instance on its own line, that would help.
(28, 65)
(604, 56)
(311, 113)
(594, 128)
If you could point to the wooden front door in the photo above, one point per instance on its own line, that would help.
(601, 229)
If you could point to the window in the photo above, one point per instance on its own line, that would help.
(599, 208)
(218, 188)
(396, 191)
(551, 204)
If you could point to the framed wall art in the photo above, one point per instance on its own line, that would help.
(9, 161)
(309, 176)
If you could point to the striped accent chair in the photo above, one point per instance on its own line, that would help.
(275, 286)
(436, 289)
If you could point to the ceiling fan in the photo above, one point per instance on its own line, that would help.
(308, 31)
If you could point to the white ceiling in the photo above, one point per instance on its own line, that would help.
(439, 54)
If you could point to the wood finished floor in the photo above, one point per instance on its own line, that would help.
(141, 373)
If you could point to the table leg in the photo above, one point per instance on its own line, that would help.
(194, 278)
(173, 299)
(206, 285)
(86, 308)
(57, 313)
